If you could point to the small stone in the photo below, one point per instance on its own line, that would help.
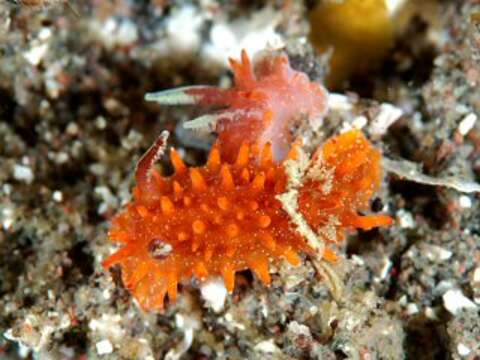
(463, 350)
(299, 329)
(214, 293)
(467, 124)
(72, 128)
(35, 55)
(7, 218)
(431, 313)
(23, 173)
(454, 301)
(476, 275)
(267, 346)
(339, 102)
(405, 219)
(412, 309)
(359, 122)
(100, 122)
(104, 347)
(57, 196)
(465, 202)
(386, 117)
(436, 253)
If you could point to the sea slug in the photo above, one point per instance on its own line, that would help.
(245, 213)
(267, 102)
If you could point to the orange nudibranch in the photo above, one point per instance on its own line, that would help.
(265, 105)
(227, 216)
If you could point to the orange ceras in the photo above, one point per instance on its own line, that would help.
(229, 216)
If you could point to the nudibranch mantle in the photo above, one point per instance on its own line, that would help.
(267, 101)
(229, 216)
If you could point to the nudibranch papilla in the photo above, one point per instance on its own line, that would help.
(257, 200)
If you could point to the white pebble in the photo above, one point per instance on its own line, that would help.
(339, 102)
(359, 122)
(430, 313)
(35, 55)
(23, 173)
(299, 329)
(467, 124)
(8, 217)
(465, 202)
(104, 347)
(405, 219)
(72, 128)
(57, 196)
(435, 253)
(412, 309)
(267, 346)
(44, 33)
(386, 117)
(476, 275)
(454, 301)
(463, 350)
(214, 293)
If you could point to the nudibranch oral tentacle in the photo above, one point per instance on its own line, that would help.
(266, 103)
(232, 215)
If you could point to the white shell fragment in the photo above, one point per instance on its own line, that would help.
(410, 171)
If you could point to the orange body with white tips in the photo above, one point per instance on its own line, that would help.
(226, 216)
